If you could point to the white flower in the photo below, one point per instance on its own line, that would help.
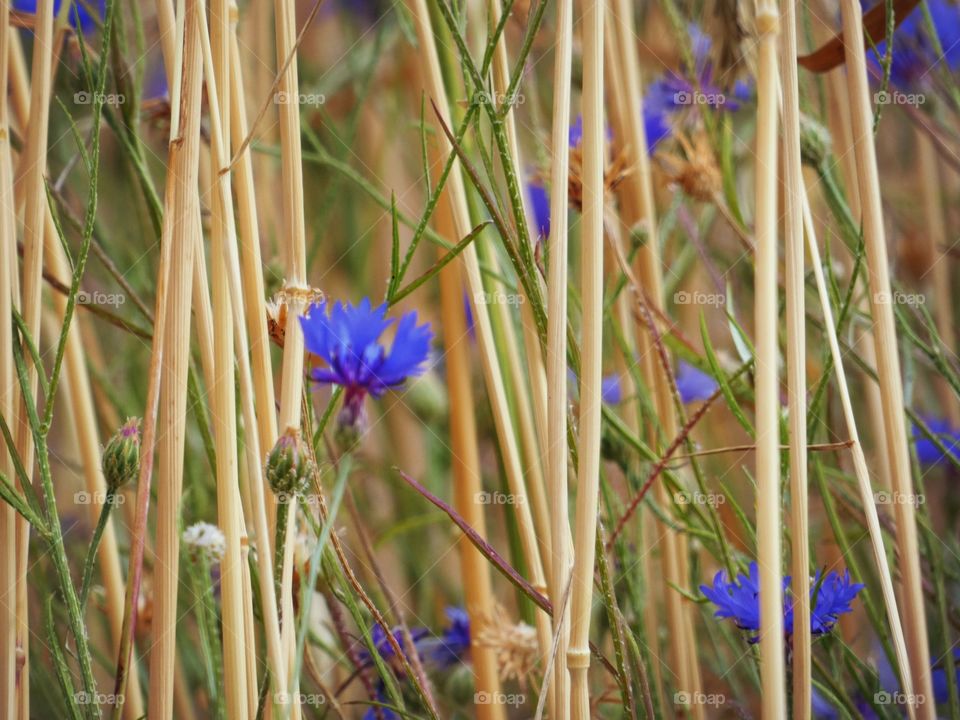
(205, 538)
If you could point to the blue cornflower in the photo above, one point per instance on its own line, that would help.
(79, 7)
(740, 600)
(540, 207)
(672, 92)
(381, 641)
(347, 340)
(914, 54)
(453, 644)
(830, 599)
(610, 390)
(378, 712)
(693, 384)
(927, 451)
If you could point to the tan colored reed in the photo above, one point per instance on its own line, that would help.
(859, 460)
(181, 218)
(33, 163)
(796, 366)
(8, 398)
(888, 361)
(591, 354)
(557, 464)
(769, 531)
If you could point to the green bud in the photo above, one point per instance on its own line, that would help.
(121, 456)
(815, 141)
(460, 686)
(289, 465)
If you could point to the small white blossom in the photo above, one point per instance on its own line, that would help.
(205, 538)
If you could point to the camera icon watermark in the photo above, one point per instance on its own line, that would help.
(89, 98)
(683, 297)
(310, 99)
(82, 497)
(898, 698)
(498, 297)
(311, 699)
(899, 298)
(499, 698)
(895, 97)
(498, 498)
(100, 298)
(689, 699)
(699, 498)
(886, 497)
(695, 97)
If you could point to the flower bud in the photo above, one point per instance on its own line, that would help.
(121, 456)
(289, 466)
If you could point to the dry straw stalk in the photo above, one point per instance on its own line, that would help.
(769, 530)
(888, 361)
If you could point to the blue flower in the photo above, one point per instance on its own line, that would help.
(381, 641)
(453, 644)
(610, 390)
(87, 21)
(540, 207)
(914, 53)
(830, 599)
(347, 340)
(378, 712)
(740, 600)
(927, 451)
(694, 384)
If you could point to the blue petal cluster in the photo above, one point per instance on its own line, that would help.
(348, 341)
(739, 600)
(914, 53)
(693, 384)
(927, 451)
(87, 21)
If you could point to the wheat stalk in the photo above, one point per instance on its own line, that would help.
(591, 352)
(181, 217)
(33, 163)
(294, 251)
(8, 397)
(888, 361)
(767, 387)
(556, 360)
(859, 460)
(253, 454)
(796, 365)
(236, 645)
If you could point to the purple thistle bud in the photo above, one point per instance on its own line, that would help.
(121, 456)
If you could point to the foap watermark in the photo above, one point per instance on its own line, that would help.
(299, 698)
(89, 98)
(83, 497)
(312, 99)
(688, 699)
(885, 497)
(97, 698)
(682, 297)
(100, 298)
(695, 97)
(898, 698)
(498, 498)
(498, 297)
(499, 698)
(895, 97)
(499, 99)
(899, 298)
(699, 498)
